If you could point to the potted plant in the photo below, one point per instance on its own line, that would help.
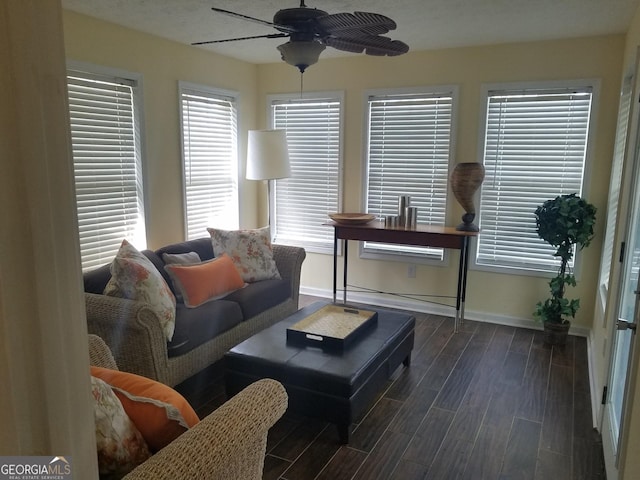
(564, 222)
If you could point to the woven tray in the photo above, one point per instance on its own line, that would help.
(333, 327)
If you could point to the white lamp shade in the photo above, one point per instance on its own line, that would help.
(267, 155)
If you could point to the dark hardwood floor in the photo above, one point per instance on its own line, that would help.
(491, 402)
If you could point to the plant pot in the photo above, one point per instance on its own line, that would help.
(556, 333)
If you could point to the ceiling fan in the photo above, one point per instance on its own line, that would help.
(311, 30)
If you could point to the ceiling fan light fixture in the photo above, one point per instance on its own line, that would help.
(301, 53)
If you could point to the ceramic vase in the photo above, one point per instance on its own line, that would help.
(465, 180)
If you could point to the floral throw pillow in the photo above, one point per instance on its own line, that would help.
(133, 276)
(120, 445)
(250, 251)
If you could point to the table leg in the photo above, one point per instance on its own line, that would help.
(344, 273)
(459, 292)
(466, 248)
(335, 264)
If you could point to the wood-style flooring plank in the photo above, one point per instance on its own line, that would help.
(485, 461)
(409, 471)
(315, 456)
(384, 458)
(471, 356)
(484, 333)
(522, 449)
(454, 389)
(439, 372)
(274, 467)
(522, 340)
(534, 385)
(513, 368)
(432, 348)
(292, 446)
(344, 464)
(451, 460)
(283, 427)
(582, 418)
(581, 365)
(557, 426)
(563, 355)
(552, 465)
(413, 411)
(368, 432)
(406, 382)
(456, 344)
(430, 434)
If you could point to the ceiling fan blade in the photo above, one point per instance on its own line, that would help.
(283, 28)
(339, 24)
(270, 35)
(240, 15)
(371, 45)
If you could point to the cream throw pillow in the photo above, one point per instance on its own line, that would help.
(133, 276)
(250, 251)
(120, 444)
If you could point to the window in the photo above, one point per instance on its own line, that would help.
(535, 147)
(209, 157)
(105, 117)
(304, 201)
(409, 143)
(615, 184)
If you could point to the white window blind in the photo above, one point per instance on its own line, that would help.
(409, 150)
(107, 165)
(209, 152)
(535, 149)
(615, 181)
(304, 201)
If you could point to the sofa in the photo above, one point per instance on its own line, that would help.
(229, 443)
(203, 334)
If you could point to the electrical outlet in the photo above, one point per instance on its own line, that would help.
(411, 271)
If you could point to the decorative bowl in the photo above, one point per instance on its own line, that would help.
(352, 218)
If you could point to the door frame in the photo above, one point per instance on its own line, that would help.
(630, 169)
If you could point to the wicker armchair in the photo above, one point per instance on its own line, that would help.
(230, 443)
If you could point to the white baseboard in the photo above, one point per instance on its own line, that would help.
(402, 303)
(596, 391)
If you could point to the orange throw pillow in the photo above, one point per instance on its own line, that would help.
(159, 412)
(202, 282)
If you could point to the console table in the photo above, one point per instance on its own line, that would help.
(422, 235)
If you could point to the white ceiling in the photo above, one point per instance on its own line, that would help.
(422, 24)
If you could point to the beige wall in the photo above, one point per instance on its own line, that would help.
(490, 295)
(163, 64)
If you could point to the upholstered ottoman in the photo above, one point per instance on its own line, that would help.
(336, 386)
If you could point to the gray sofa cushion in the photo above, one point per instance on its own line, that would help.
(260, 296)
(95, 280)
(195, 326)
(202, 246)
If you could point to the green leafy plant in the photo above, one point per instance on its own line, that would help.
(564, 222)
